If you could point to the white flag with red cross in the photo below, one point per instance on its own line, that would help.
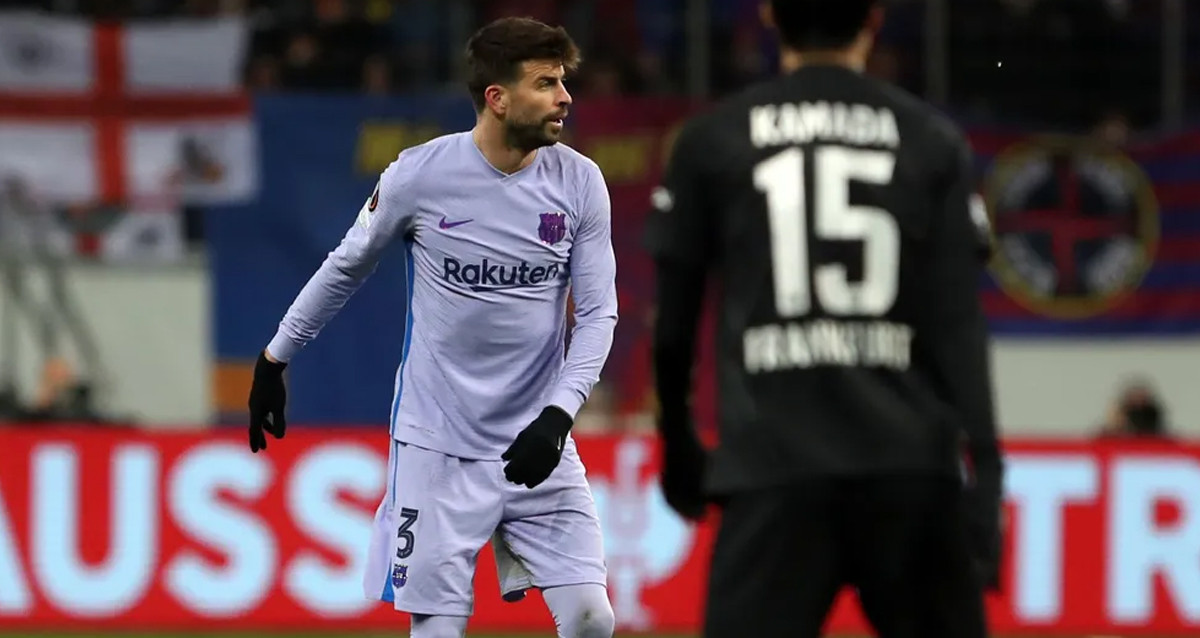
(142, 117)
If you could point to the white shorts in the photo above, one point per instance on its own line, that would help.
(440, 510)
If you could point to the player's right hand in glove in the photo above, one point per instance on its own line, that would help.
(684, 460)
(268, 398)
(983, 512)
(538, 448)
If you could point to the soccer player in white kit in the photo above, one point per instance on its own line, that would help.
(499, 225)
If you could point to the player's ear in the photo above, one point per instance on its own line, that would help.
(496, 97)
(766, 14)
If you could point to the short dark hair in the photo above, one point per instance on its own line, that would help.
(820, 24)
(495, 53)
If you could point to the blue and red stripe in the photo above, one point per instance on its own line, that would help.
(1167, 302)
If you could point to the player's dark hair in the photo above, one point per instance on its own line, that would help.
(808, 25)
(495, 53)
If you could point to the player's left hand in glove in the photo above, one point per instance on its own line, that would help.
(983, 514)
(537, 449)
(268, 398)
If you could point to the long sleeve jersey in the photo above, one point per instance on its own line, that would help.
(491, 258)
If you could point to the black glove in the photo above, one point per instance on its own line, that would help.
(268, 397)
(983, 509)
(684, 460)
(537, 449)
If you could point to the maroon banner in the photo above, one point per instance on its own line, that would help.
(631, 140)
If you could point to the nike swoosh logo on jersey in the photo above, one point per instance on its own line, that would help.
(445, 225)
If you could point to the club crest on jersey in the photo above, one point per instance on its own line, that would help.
(552, 227)
(399, 575)
(1076, 225)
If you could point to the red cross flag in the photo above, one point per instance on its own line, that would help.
(133, 119)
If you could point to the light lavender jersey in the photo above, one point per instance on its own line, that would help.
(491, 258)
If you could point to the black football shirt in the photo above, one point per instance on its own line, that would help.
(836, 216)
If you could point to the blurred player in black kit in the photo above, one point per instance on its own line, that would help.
(857, 447)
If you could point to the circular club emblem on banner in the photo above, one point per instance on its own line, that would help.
(1076, 225)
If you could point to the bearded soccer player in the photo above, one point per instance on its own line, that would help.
(837, 215)
(499, 223)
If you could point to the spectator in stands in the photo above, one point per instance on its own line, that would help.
(1137, 413)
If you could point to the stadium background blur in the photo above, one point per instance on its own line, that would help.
(172, 172)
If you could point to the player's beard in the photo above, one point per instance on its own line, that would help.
(529, 135)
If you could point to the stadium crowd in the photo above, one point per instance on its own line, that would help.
(1067, 63)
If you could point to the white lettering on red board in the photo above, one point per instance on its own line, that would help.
(128, 570)
(1139, 549)
(15, 599)
(313, 500)
(249, 566)
(1040, 486)
(1149, 563)
(241, 583)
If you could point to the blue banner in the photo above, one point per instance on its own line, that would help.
(321, 157)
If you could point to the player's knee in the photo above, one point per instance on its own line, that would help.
(594, 620)
(581, 611)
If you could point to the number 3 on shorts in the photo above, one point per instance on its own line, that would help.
(404, 535)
